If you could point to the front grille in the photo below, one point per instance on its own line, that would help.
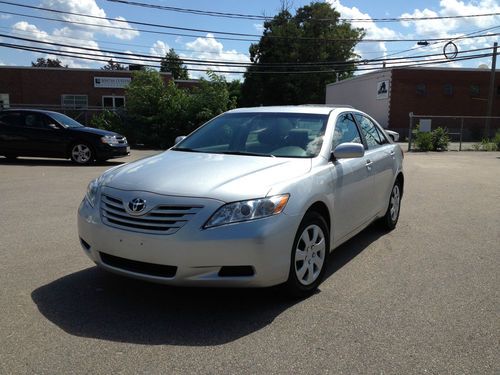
(162, 219)
(121, 140)
(151, 269)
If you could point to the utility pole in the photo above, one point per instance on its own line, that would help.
(491, 94)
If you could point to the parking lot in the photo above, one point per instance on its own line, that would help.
(423, 299)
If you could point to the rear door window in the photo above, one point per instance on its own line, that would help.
(11, 119)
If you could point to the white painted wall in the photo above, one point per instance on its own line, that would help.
(361, 93)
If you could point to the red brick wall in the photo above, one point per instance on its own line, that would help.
(45, 85)
(404, 98)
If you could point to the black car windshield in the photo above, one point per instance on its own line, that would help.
(65, 120)
(295, 135)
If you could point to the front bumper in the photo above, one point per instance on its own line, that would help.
(105, 151)
(197, 255)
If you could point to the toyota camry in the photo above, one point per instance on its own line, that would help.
(253, 198)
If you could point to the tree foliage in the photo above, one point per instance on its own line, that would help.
(111, 65)
(47, 63)
(173, 63)
(156, 112)
(280, 44)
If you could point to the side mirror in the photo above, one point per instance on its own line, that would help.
(53, 126)
(394, 135)
(179, 138)
(348, 150)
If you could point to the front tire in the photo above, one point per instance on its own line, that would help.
(82, 154)
(309, 255)
(390, 220)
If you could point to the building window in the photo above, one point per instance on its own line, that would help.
(421, 89)
(113, 101)
(475, 90)
(74, 101)
(4, 101)
(448, 89)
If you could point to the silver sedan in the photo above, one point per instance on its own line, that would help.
(255, 197)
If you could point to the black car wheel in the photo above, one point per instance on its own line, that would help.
(309, 254)
(81, 153)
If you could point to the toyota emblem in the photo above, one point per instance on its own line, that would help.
(137, 205)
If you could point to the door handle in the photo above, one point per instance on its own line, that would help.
(369, 164)
(393, 153)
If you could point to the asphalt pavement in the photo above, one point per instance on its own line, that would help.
(423, 299)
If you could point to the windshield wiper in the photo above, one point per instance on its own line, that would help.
(186, 149)
(244, 153)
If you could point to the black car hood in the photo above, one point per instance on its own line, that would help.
(93, 131)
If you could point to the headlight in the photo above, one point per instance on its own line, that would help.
(92, 191)
(110, 140)
(248, 210)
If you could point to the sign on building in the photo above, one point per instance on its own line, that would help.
(383, 90)
(111, 82)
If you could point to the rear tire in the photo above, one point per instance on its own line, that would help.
(308, 256)
(82, 154)
(390, 220)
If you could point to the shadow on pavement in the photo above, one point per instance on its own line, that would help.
(37, 162)
(93, 303)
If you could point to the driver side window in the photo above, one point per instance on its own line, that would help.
(345, 131)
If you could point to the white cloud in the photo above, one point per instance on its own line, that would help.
(62, 36)
(259, 27)
(159, 49)
(5, 16)
(366, 50)
(91, 8)
(210, 48)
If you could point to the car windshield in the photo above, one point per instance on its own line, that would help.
(294, 135)
(65, 120)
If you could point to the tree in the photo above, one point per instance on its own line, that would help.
(173, 63)
(111, 65)
(157, 113)
(47, 63)
(303, 38)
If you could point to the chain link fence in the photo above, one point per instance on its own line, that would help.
(465, 132)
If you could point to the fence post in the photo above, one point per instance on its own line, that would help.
(461, 132)
(409, 131)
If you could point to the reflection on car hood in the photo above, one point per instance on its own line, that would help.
(100, 132)
(223, 177)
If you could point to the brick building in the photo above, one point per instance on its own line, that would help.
(390, 95)
(68, 89)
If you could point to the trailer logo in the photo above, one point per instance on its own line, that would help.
(382, 90)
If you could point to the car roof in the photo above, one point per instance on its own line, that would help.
(321, 109)
(27, 110)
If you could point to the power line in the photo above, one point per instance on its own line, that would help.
(202, 30)
(100, 58)
(265, 18)
(135, 56)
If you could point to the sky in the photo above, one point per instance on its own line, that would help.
(207, 44)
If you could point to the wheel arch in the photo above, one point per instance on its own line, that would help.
(401, 179)
(322, 209)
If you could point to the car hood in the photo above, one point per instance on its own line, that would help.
(95, 131)
(223, 177)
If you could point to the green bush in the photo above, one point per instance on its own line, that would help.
(440, 139)
(423, 141)
(496, 140)
(437, 140)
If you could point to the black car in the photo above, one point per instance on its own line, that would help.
(31, 132)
